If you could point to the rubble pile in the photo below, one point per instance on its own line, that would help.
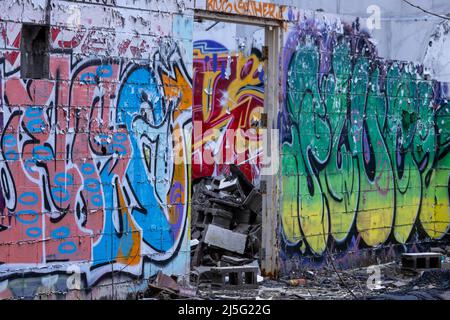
(226, 221)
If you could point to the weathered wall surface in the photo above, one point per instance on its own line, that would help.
(228, 88)
(365, 153)
(94, 161)
(93, 198)
(437, 53)
(402, 32)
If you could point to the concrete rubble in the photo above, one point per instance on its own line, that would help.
(226, 235)
(225, 240)
(325, 283)
(226, 226)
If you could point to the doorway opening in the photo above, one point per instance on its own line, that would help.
(233, 103)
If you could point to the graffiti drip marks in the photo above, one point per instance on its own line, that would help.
(365, 148)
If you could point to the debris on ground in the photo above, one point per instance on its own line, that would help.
(164, 287)
(226, 227)
(297, 282)
(326, 283)
(424, 260)
(430, 285)
(237, 277)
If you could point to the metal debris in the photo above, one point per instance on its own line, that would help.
(166, 287)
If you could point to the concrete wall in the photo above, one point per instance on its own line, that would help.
(364, 148)
(94, 160)
(365, 155)
(94, 197)
(404, 32)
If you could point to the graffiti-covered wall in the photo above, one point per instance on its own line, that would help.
(228, 100)
(365, 149)
(93, 163)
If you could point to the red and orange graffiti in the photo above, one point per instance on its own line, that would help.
(228, 97)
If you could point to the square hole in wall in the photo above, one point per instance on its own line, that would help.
(35, 52)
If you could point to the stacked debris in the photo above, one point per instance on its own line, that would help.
(226, 221)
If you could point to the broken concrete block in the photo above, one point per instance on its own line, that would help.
(235, 261)
(225, 239)
(254, 201)
(244, 183)
(235, 277)
(196, 234)
(202, 273)
(242, 228)
(244, 217)
(221, 218)
(198, 215)
(258, 218)
(215, 183)
(208, 260)
(194, 242)
(232, 204)
(418, 261)
(228, 185)
(197, 257)
(438, 250)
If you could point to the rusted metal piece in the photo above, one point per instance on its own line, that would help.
(297, 282)
(166, 282)
(167, 287)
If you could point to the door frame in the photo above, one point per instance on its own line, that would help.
(269, 252)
